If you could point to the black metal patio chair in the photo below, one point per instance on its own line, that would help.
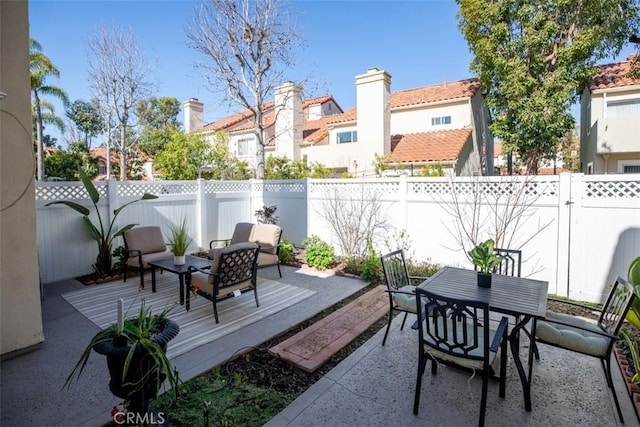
(579, 335)
(400, 287)
(458, 332)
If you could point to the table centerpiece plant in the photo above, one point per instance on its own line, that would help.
(179, 241)
(484, 258)
(136, 356)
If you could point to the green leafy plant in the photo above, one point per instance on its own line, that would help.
(632, 345)
(104, 237)
(318, 253)
(137, 332)
(179, 239)
(484, 257)
(372, 268)
(120, 256)
(286, 251)
(633, 277)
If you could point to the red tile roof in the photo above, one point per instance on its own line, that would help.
(243, 120)
(614, 75)
(429, 146)
(460, 89)
(441, 92)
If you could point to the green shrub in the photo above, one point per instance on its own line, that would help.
(286, 251)
(372, 270)
(422, 268)
(318, 253)
(354, 265)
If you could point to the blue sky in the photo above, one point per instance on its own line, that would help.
(417, 42)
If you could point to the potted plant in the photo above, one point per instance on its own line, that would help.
(136, 356)
(179, 242)
(104, 238)
(485, 259)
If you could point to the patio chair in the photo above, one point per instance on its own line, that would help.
(511, 264)
(399, 287)
(579, 335)
(232, 269)
(267, 236)
(458, 332)
(141, 245)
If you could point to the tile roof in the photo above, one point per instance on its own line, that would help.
(243, 120)
(614, 75)
(347, 116)
(429, 146)
(460, 89)
(441, 92)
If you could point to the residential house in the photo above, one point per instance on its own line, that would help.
(547, 167)
(444, 124)
(100, 154)
(610, 121)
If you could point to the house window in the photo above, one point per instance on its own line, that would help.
(345, 137)
(102, 168)
(443, 120)
(628, 166)
(623, 108)
(243, 146)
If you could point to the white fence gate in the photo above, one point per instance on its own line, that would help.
(577, 232)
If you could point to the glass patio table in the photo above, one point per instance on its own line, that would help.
(181, 270)
(512, 295)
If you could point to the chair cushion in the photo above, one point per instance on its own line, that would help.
(571, 338)
(406, 301)
(463, 361)
(156, 256)
(242, 233)
(267, 259)
(145, 239)
(267, 236)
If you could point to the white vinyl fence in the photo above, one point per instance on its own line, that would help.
(576, 231)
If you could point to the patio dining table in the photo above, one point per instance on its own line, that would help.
(512, 295)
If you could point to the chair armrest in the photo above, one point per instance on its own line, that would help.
(136, 252)
(593, 331)
(218, 240)
(500, 334)
(205, 270)
(269, 247)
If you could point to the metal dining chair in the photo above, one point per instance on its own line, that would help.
(511, 264)
(458, 332)
(400, 287)
(579, 335)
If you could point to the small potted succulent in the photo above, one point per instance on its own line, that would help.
(179, 241)
(485, 259)
(136, 356)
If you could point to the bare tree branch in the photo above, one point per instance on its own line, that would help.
(118, 71)
(249, 46)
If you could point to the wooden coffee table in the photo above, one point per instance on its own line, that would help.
(181, 270)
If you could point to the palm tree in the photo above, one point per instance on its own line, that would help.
(41, 68)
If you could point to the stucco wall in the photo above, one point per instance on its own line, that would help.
(21, 316)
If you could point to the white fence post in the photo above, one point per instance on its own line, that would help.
(201, 217)
(403, 193)
(564, 234)
(112, 198)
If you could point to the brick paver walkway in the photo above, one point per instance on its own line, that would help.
(311, 348)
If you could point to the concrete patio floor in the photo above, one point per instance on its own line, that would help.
(372, 387)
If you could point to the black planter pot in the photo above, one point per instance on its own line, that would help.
(144, 377)
(484, 280)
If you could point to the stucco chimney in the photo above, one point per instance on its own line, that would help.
(193, 117)
(374, 115)
(289, 120)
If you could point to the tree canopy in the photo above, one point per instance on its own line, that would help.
(534, 57)
(86, 116)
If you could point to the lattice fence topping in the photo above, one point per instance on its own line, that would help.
(615, 189)
(66, 192)
(158, 188)
(212, 187)
(280, 187)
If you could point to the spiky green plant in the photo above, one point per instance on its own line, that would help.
(104, 237)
